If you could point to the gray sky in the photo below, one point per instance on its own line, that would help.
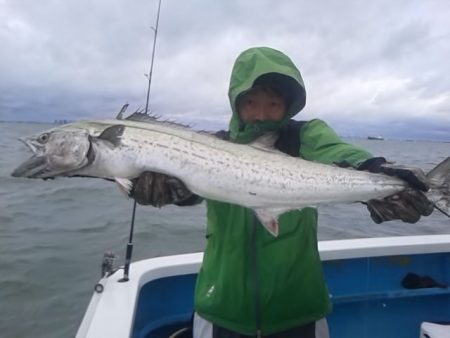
(370, 67)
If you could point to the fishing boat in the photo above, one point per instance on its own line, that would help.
(376, 138)
(380, 287)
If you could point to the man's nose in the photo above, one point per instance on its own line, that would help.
(260, 112)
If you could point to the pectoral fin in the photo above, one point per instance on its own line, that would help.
(269, 218)
(267, 143)
(124, 185)
(112, 134)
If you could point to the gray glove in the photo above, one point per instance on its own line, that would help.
(152, 188)
(408, 205)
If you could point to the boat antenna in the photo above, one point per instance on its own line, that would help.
(129, 251)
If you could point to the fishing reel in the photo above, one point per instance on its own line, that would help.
(107, 269)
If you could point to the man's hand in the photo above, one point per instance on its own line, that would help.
(152, 188)
(408, 205)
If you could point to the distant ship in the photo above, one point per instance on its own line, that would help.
(61, 121)
(378, 138)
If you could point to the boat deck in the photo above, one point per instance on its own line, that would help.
(364, 277)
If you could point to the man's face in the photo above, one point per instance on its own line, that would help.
(261, 104)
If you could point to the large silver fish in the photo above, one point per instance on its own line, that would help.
(255, 175)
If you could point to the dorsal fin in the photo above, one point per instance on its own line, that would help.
(120, 114)
(139, 116)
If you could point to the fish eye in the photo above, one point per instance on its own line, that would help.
(43, 138)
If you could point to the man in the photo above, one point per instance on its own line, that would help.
(252, 284)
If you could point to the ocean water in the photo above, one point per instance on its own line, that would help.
(53, 233)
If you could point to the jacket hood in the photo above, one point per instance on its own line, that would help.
(271, 67)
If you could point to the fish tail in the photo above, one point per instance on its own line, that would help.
(439, 180)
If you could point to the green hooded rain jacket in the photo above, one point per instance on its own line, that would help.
(251, 282)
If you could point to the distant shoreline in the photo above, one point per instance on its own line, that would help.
(36, 122)
(406, 139)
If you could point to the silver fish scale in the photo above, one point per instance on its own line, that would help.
(236, 173)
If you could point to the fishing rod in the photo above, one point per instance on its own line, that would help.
(129, 251)
(155, 29)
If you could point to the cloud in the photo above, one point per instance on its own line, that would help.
(365, 64)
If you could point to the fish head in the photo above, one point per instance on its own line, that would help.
(56, 152)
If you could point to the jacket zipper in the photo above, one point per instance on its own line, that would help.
(256, 280)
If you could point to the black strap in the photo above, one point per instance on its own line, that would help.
(289, 140)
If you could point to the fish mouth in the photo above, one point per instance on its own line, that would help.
(34, 167)
(35, 148)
